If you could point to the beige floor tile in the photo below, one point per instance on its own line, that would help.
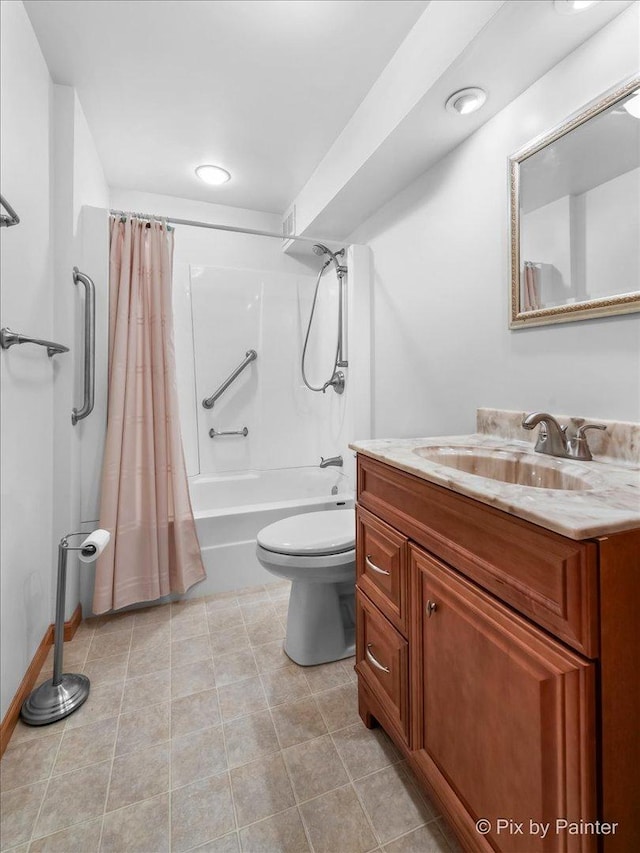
(106, 670)
(187, 609)
(224, 620)
(241, 698)
(220, 601)
(226, 844)
(191, 650)
(271, 656)
(365, 750)
(339, 706)
(392, 802)
(266, 630)
(201, 812)
(114, 622)
(235, 667)
(23, 733)
(138, 776)
(149, 615)
(250, 738)
(86, 745)
(103, 702)
(146, 690)
(140, 827)
(145, 660)
(150, 636)
(74, 654)
(195, 626)
(314, 767)
(284, 685)
(426, 839)
(81, 838)
(107, 645)
(192, 678)
(18, 812)
(198, 711)
(452, 841)
(197, 755)
(253, 612)
(252, 594)
(28, 762)
(326, 676)
(228, 642)
(282, 610)
(336, 822)
(144, 728)
(279, 591)
(282, 833)
(261, 789)
(74, 797)
(299, 721)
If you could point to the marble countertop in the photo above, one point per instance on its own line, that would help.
(608, 500)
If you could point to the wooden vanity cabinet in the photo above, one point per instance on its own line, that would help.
(501, 717)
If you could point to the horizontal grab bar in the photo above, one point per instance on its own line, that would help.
(9, 338)
(214, 433)
(250, 356)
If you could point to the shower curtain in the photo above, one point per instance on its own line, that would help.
(144, 498)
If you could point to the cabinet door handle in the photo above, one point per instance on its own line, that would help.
(431, 608)
(375, 662)
(373, 566)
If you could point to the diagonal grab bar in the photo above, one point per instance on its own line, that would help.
(250, 356)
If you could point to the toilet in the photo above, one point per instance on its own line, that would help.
(316, 552)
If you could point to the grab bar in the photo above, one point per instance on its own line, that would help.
(214, 433)
(250, 356)
(9, 338)
(11, 219)
(89, 346)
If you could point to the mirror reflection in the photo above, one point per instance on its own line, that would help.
(578, 209)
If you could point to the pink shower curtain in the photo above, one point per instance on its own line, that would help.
(145, 499)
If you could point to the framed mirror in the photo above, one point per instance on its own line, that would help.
(574, 195)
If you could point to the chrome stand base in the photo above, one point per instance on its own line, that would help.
(49, 703)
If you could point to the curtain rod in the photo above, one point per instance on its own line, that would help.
(233, 228)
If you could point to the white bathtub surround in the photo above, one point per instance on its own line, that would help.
(230, 509)
(145, 499)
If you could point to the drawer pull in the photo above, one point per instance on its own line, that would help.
(431, 608)
(375, 662)
(373, 566)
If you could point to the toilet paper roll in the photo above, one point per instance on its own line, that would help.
(99, 539)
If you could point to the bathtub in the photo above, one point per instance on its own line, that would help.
(230, 509)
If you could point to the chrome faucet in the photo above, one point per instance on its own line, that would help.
(332, 460)
(554, 441)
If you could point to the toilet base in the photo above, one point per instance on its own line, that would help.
(320, 622)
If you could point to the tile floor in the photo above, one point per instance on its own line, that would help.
(200, 734)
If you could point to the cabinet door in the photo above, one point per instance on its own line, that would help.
(508, 727)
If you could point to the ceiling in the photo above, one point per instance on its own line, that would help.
(260, 87)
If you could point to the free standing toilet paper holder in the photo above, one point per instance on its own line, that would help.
(65, 692)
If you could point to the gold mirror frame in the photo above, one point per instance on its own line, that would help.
(626, 303)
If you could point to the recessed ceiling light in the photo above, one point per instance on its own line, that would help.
(569, 7)
(466, 101)
(632, 105)
(214, 175)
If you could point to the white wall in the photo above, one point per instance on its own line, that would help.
(26, 304)
(442, 346)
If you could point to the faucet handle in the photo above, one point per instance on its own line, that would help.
(580, 432)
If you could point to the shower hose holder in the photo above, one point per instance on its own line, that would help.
(65, 692)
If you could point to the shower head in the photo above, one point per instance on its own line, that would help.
(320, 249)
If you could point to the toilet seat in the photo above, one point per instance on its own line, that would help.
(312, 535)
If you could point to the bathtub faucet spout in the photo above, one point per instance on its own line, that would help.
(332, 460)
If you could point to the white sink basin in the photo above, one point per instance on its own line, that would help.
(506, 466)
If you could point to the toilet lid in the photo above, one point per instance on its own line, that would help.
(328, 532)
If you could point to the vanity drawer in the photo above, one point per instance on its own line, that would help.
(381, 565)
(382, 660)
(549, 578)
